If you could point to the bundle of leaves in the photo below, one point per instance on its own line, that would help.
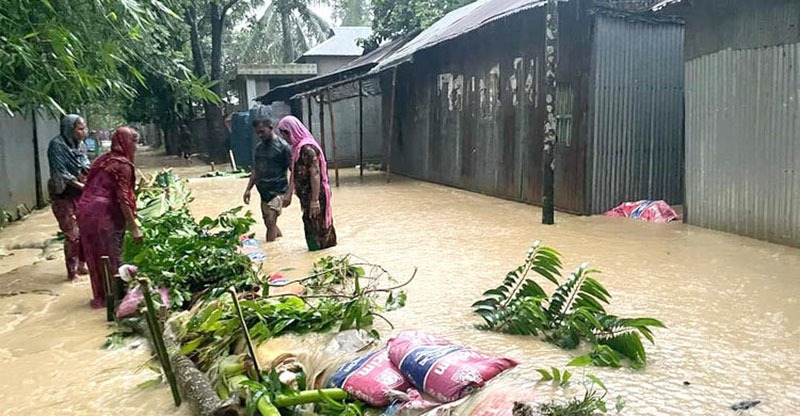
(191, 257)
(573, 313)
(213, 329)
(160, 193)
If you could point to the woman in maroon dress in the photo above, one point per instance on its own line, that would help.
(310, 183)
(107, 207)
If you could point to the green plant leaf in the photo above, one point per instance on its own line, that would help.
(581, 361)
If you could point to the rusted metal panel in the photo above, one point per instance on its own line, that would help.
(471, 113)
(743, 142)
(637, 118)
(346, 116)
(471, 110)
(712, 26)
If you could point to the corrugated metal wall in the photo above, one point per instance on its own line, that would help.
(345, 113)
(743, 142)
(637, 113)
(470, 113)
(17, 170)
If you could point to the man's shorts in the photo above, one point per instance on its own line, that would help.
(275, 204)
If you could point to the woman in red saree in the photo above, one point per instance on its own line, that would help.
(310, 182)
(107, 207)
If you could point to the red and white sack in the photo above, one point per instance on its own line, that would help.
(372, 379)
(130, 303)
(441, 369)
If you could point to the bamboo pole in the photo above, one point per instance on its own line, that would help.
(360, 130)
(333, 137)
(106, 266)
(322, 123)
(158, 340)
(310, 116)
(391, 127)
(246, 332)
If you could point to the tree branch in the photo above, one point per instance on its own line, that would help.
(228, 5)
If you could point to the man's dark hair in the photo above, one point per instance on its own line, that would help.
(263, 121)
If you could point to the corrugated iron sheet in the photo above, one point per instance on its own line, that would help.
(637, 113)
(344, 42)
(456, 23)
(743, 142)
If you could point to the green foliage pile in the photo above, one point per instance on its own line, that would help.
(213, 328)
(574, 312)
(185, 255)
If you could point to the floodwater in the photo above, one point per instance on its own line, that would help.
(731, 304)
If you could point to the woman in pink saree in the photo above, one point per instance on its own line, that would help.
(310, 182)
(107, 207)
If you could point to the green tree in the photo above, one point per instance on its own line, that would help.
(396, 18)
(66, 54)
(215, 13)
(352, 12)
(285, 30)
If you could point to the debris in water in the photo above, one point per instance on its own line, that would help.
(686, 383)
(745, 405)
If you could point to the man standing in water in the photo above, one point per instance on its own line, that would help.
(271, 163)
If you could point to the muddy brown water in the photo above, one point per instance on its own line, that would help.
(731, 304)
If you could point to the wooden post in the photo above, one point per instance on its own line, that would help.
(246, 332)
(392, 107)
(310, 116)
(105, 262)
(333, 136)
(322, 122)
(158, 340)
(551, 89)
(360, 130)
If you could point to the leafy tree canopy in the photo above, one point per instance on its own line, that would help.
(65, 54)
(396, 18)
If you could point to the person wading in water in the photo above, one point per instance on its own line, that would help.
(69, 164)
(271, 164)
(108, 207)
(310, 182)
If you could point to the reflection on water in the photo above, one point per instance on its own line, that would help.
(731, 303)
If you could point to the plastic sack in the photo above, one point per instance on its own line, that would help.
(130, 303)
(441, 369)
(371, 379)
(645, 210)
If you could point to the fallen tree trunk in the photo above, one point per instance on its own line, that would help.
(194, 386)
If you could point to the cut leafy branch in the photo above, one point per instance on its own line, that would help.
(573, 313)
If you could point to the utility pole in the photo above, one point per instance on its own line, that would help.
(550, 89)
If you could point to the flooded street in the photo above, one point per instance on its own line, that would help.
(731, 304)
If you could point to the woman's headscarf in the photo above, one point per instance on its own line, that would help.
(119, 163)
(67, 161)
(301, 137)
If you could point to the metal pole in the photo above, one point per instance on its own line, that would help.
(360, 130)
(333, 136)
(391, 127)
(550, 139)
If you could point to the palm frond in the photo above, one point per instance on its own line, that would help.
(574, 312)
(579, 291)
